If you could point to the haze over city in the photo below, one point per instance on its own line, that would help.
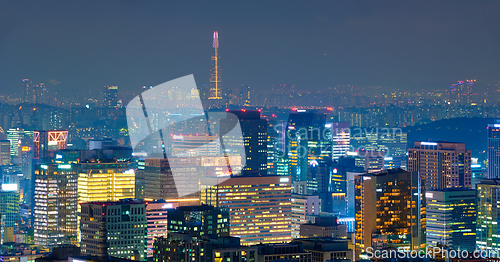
(249, 131)
(311, 45)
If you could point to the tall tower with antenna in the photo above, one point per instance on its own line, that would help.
(215, 91)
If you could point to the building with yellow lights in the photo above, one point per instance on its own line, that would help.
(488, 215)
(259, 208)
(105, 180)
(390, 210)
(55, 211)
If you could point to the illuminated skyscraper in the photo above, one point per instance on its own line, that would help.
(341, 135)
(488, 215)
(56, 200)
(339, 174)
(15, 136)
(154, 179)
(392, 141)
(117, 229)
(215, 90)
(4, 152)
(259, 208)
(9, 210)
(493, 151)
(245, 95)
(254, 131)
(111, 96)
(451, 218)
(272, 139)
(374, 160)
(390, 210)
(32, 93)
(308, 139)
(461, 91)
(444, 164)
(302, 207)
(106, 180)
(27, 91)
(157, 218)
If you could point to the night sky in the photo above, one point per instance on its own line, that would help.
(309, 44)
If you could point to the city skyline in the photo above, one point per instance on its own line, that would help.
(249, 131)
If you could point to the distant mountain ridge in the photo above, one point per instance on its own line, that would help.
(471, 131)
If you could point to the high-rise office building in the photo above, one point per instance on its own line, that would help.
(272, 140)
(194, 177)
(451, 218)
(56, 200)
(9, 211)
(27, 91)
(308, 141)
(105, 180)
(493, 151)
(254, 131)
(157, 219)
(49, 140)
(259, 208)
(392, 141)
(15, 136)
(117, 229)
(4, 152)
(488, 215)
(374, 160)
(341, 135)
(245, 95)
(25, 157)
(390, 210)
(444, 164)
(302, 207)
(342, 185)
(198, 221)
(194, 145)
(33, 93)
(156, 181)
(282, 166)
(461, 91)
(340, 168)
(319, 174)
